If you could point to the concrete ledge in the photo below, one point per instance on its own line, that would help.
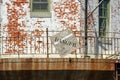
(56, 64)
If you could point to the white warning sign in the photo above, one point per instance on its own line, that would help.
(65, 42)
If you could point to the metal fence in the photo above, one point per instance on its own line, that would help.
(32, 46)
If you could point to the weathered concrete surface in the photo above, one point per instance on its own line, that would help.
(56, 69)
(56, 64)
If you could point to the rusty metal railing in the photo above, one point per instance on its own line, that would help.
(32, 46)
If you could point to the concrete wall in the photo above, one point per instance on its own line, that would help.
(57, 64)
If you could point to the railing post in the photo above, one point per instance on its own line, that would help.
(47, 42)
(47, 60)
(86, 26)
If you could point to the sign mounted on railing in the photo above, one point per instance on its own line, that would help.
(65, 42)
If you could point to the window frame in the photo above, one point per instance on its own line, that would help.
(40, 13)
(105, 18)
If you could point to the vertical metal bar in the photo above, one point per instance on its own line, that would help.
(6, 44)
(105, 40)
(80, 46)
(51, 51)
(117, 45)
(114, 43)
(111, 43)
(22, 45)
(39, 46)
(43, 38)
(35, 50)
(51, 46)
(31, 43)
(18, 44)
(108, 45)
(86, 45)
(2, 44)
(47, 42)
(14, 44)
(26, 45)
(101, 47)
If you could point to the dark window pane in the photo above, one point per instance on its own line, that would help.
(102, 22)
(40, 6)
(39, 0)
(44, 6)
(36, 6)
(105, 13)
(100, 12)
(102, 26)
(43, 0)
(36, 0)
(105, 4)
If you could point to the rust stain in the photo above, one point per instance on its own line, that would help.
(37, 33)
(16, 43)
(67, 10)
(61, 8)
(13, 27)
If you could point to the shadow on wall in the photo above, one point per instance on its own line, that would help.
(56, 75)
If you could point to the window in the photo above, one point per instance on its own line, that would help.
(104, 12)
(40, 8)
